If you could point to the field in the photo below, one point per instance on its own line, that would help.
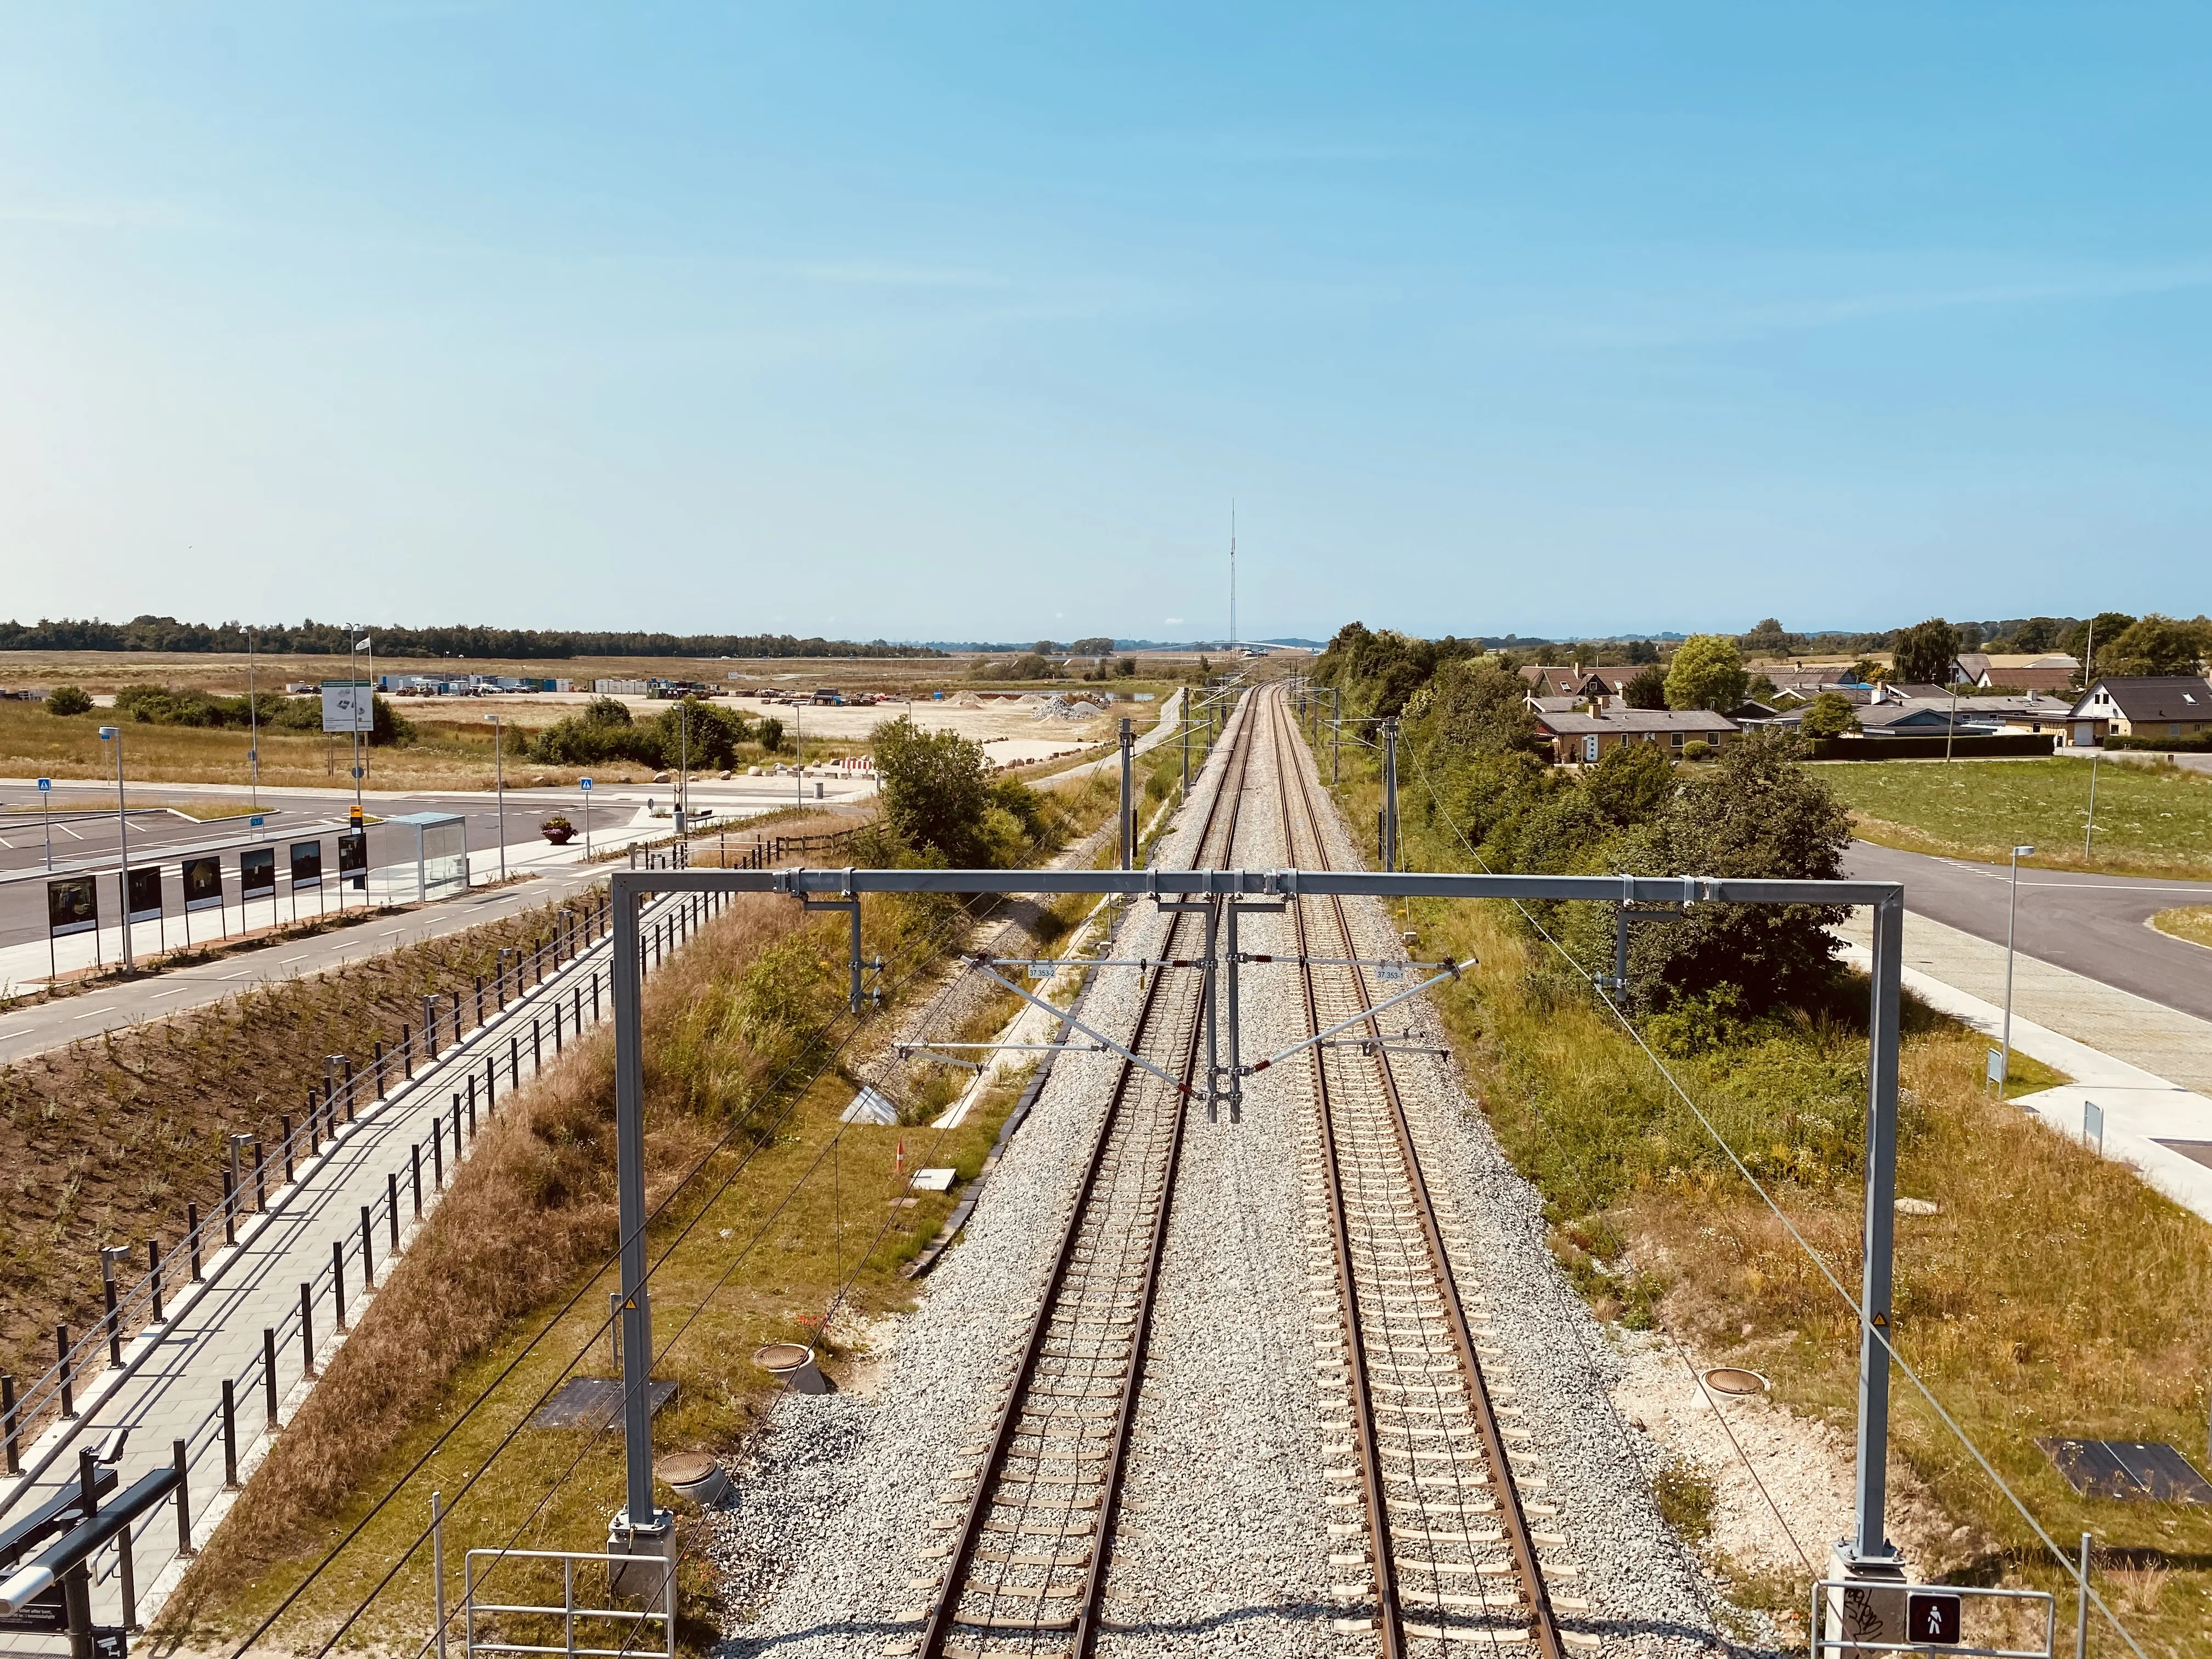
(2052, 1293)
(2152, 820)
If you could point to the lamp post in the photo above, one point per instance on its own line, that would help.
(499, 789)
(2012, 913)
(122, 842)
(252, 732)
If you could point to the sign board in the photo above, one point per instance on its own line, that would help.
(584, 784)
(145, 892)
(1932, 1618)
(307, 864)
(1997, 1068)
(44, 1613)
(45, 786)
(257, 872)
(2093, 1127)
(353, 860)
(72, 906)
(203, 883)
(348, 706)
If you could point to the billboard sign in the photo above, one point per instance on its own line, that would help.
(72, 906)
(353, 860)
(257, 872)
(203, 883)
(307, 864)
(348, 706)
(145, 892)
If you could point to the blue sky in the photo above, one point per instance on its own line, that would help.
(948, 321)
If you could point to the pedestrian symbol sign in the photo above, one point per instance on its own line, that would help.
(1932, 1619)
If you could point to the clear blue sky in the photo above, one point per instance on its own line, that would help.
(930, 321)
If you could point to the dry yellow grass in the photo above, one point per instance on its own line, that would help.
(108, 1138)
(2193, 923)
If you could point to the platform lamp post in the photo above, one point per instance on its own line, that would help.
(114, 733)
(2012, 914)
(499, 789)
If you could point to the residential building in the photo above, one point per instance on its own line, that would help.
(1583, 738)
(2141, 706)
(2051, 672)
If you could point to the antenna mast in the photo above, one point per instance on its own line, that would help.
(1232, 575)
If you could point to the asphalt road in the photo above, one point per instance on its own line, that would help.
(2091, 925)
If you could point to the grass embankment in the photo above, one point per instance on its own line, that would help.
(111, 1136)
(2054, 1293)
(2153, 819)
(747, 1072)
(2193, 923)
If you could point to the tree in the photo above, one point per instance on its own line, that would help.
(1829, 715)
(2153, 645)
(1642, 651)
(1865, 671)
(1923, 651)
(1754, 813)
(1045, 648)
(936, 790)
(606, 711)
(2098, 635)
(1474, 705)
(1097, 646)
(1707, 673)
(771, 734)
(1769, 638)
(699, 734)
(1647, 690)
(67, 700)
(1631, 784)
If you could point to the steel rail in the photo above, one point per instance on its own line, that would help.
(1513, 1519)
(943, 1616)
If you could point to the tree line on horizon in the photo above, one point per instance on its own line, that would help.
(311, 638)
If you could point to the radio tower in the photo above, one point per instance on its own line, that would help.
(1233, 576)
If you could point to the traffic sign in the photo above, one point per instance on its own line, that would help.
(583, 783)
(45, 786)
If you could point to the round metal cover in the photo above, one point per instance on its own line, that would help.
(781, 1356)
(1730, 1379)
(684, 1468)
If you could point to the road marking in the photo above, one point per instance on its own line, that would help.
(94, 1014)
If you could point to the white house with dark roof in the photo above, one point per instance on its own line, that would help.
(2141, 706)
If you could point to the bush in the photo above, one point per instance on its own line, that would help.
(68, 699)
(1697, 750)
(771, 735)
(936, 792)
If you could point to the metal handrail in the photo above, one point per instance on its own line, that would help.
(567, 1612)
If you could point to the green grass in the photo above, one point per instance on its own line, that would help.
(2151, 819)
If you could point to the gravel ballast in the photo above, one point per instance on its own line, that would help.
(1223, 1545)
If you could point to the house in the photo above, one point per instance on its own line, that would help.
(1576, 682)
(2051, 672)
(1925, 717)
(2141, 706)
(1585, 738)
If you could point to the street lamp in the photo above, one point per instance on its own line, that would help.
(2012, 914)
(122, 842)
(499, 789)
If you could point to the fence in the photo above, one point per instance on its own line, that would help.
(765, 852)
(660, 1607)
(289, 1348)
(1994, 746)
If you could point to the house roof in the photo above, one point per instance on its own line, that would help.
(1970, 665)
(1624, 722)
(2149, 697)
(2032, 677)
(1555, 681)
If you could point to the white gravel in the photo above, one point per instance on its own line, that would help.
(1223, 1545)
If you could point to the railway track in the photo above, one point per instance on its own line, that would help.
(1025, 1575)
(1436, 1548)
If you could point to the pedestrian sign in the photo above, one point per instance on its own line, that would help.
(1932, 1618)
(45, 786)
(584, 783)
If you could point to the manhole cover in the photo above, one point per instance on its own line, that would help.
(1730, 1379)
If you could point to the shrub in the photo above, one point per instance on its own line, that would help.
(68, 699)
(1697, 750)
(771, 734)
(935, 790)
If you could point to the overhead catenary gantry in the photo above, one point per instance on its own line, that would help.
(1222, 892)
